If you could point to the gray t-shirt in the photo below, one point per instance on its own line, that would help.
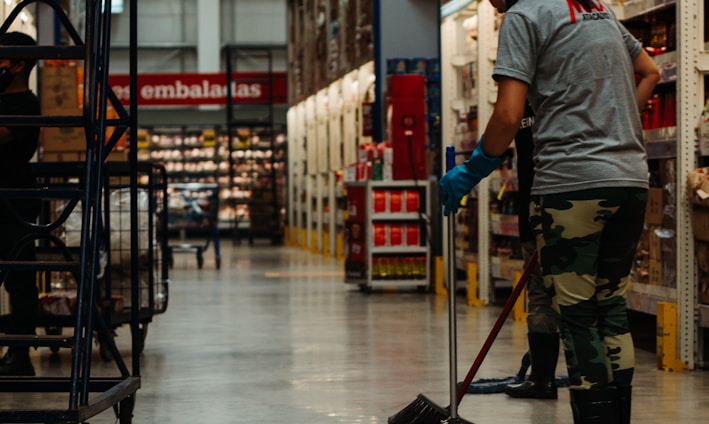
(578, 65)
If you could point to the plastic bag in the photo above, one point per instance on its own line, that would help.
(120, 224)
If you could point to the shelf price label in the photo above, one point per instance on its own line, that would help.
(143, 139)
(209, 138)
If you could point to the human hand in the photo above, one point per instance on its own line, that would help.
(454, 185)
(458, 182)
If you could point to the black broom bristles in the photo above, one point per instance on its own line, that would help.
(420, 411)
(423, 411)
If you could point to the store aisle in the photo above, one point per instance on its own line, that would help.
(276, 336)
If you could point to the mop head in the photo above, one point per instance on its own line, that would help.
(497, 385)
(424, 411)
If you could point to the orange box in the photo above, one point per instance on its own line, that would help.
(380, 201)
(413, 234)
(413, 201)
(380, 234)
(396, 234)
(395, 201)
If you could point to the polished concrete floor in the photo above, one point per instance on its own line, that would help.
(276, 336)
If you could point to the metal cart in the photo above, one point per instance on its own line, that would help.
(194, 207)
(58, 290)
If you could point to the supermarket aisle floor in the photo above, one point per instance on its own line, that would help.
(275, 336)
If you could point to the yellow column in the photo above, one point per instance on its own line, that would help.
(667, 338)
(438, 286)
(304, 238)
(472, 287)
(339, 247)
(326, 244)
(314, 241)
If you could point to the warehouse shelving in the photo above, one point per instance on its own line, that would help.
(257, 150)
(388, 234)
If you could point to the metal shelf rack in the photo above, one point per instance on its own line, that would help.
(102, 134)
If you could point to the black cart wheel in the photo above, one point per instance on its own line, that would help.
(219, 263)
(200, 260)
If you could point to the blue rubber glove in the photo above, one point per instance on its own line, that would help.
(458, 182)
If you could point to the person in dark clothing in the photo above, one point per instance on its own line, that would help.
(17, 147)
(542, 320)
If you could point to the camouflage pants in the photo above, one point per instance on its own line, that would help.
(586, 241)
(541, 316)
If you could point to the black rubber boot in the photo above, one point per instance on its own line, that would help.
(16, 362)
(541, 384)
(595, 406)
(625, 397)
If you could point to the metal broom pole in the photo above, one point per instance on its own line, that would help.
(451, 277)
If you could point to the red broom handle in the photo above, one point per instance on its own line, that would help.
(528, 269)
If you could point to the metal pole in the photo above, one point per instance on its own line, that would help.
(450, 272)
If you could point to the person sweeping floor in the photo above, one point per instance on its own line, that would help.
(590, 182)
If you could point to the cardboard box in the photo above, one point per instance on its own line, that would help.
(61, 156)
(655, 272)
(704, 290)
(58, 89)
(700, 223)
(655, 207)
(62, 139)
(59, 97)
(654, 243)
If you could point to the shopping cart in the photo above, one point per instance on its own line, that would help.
(194, 207)
(117, 266)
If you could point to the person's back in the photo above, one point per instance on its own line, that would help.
(582, 90)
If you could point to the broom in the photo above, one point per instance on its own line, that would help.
(424, 411)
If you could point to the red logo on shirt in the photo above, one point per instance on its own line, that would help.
(596, 10)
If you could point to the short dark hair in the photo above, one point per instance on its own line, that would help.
(16, 38)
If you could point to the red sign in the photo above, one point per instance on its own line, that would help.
(202, 89)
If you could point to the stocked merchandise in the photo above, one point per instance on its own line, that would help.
(326, 45)
(698, 194)
(256, 147)
(189, 154)
(194, 160)
(387, 236)
(246, 181)
(256, 181)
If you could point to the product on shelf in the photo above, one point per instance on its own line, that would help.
(385, 238)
